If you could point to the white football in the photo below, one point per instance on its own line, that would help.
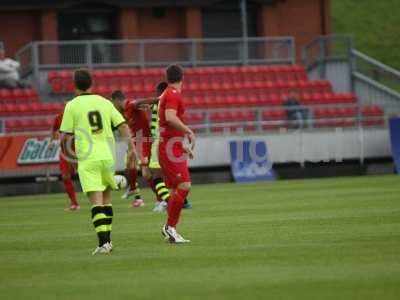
(121, 181)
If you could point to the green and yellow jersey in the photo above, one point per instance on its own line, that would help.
(154, 122)
(91, 119)
(155, 134)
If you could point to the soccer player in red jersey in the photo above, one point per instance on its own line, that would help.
(137, 118)
(67, 169)
(172, 152)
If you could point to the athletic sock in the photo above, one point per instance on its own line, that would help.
(150, 183)
(137, 193)
(132, 175)
(162, 191)
(70, 190)
(175, 205)
(100, 222)
(108, 211)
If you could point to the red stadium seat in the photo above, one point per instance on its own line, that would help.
(372, 115)
(6, 95)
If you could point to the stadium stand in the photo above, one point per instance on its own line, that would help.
(217, 97)
(22, 111)
(243, 88)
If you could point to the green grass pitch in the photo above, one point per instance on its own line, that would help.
(304, 239)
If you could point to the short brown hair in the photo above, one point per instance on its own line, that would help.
(174, 73)
(161, 88)
(118, 95)
(82, 79)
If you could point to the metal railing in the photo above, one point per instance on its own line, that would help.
(155, 52)
(327, 48)
(334, 58)
(365, 66)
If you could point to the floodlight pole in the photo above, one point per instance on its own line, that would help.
(243, 11)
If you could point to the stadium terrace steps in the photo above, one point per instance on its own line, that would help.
(22, 111)
(28, 125)
(145, 79)
(256, 93)
(30, 109)
(18, 96)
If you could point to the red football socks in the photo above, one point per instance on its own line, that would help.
(70, 190)
(175, 205)
(132, 175)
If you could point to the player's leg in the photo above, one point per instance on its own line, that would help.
(176, 201)
(67, 171)
(133, 188)
(159, 186)
(144, 149)
(108, 181)
(131, 174)
(177, 175)
(161, 190)
(147, 174)
(108, 211)
(175, 206)
(90, 177)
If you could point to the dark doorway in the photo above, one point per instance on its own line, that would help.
(223, 20)
(84, 22)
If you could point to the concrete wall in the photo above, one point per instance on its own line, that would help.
(337, 72)
(294, 147)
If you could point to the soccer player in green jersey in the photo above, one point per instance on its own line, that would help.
(89, 120)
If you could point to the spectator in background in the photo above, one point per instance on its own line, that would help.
(9, 76)
(297, 114)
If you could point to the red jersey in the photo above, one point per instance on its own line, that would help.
(170, 99)
(57, 121)
(137, 119)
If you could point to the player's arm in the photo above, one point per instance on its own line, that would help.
(54, 136)
(55, 132)
(138, 103)
(67, 142)
(125, 133)
(67, 132)
(118, 122)
(173, 121)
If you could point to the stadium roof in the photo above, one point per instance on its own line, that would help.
(39, 4)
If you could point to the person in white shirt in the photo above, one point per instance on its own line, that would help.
(9, 76)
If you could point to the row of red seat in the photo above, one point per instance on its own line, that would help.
(268, 100)
(200, 103)
(189, 72)
(61, 81)
(18, 95)
(196, 103)
(23, 125)
(204, 87)
(280, 114)
(366, 111)
(9, 110)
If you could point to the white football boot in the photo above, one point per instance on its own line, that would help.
(160, 206)
(128, 193)
(172, 236)
(105, 249)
